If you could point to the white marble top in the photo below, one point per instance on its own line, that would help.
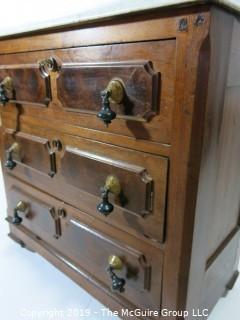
(19, 16)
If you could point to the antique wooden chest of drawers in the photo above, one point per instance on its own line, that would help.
(120, 150)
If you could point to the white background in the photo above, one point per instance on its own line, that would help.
(24, 15)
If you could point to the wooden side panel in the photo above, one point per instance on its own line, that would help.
(214, 250)
(225, 146)
(226, 204)
(221, 273)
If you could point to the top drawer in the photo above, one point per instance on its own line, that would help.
(134, 80)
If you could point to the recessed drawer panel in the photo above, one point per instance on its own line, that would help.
(35, 213)
(79, 87)
(25, 84)
(129, 271)
(135, 193)
(28, 150)
(122, 187)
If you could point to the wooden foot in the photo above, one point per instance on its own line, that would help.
(20, 242)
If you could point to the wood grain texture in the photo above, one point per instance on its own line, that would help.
(91, 172)
(79, 87)
(30, 146)
(78, 234)
(82, 172)
(217, 212)
(28, 84)
(9, 118)
(158, 25)
(161, 54)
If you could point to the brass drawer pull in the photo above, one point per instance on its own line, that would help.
(10, 163)
(113, 93)
(115, 263)
(6, 89)
(112, 185)
(21, 207)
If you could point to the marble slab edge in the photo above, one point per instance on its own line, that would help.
(102, 14)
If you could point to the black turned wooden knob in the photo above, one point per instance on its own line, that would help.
(10, 163)
(16, 219)
(105, 207)
(115, 263)
(117, 282)
(3, 97)
(21, 207)
(106, 114)
(112, 185)
(6, 90)
(113, 93)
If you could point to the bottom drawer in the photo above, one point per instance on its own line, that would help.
(118, 262)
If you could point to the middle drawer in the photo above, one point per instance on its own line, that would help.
(123, 187)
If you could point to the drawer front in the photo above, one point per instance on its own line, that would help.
(139, 79)
(89, 174)
(87, 247)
